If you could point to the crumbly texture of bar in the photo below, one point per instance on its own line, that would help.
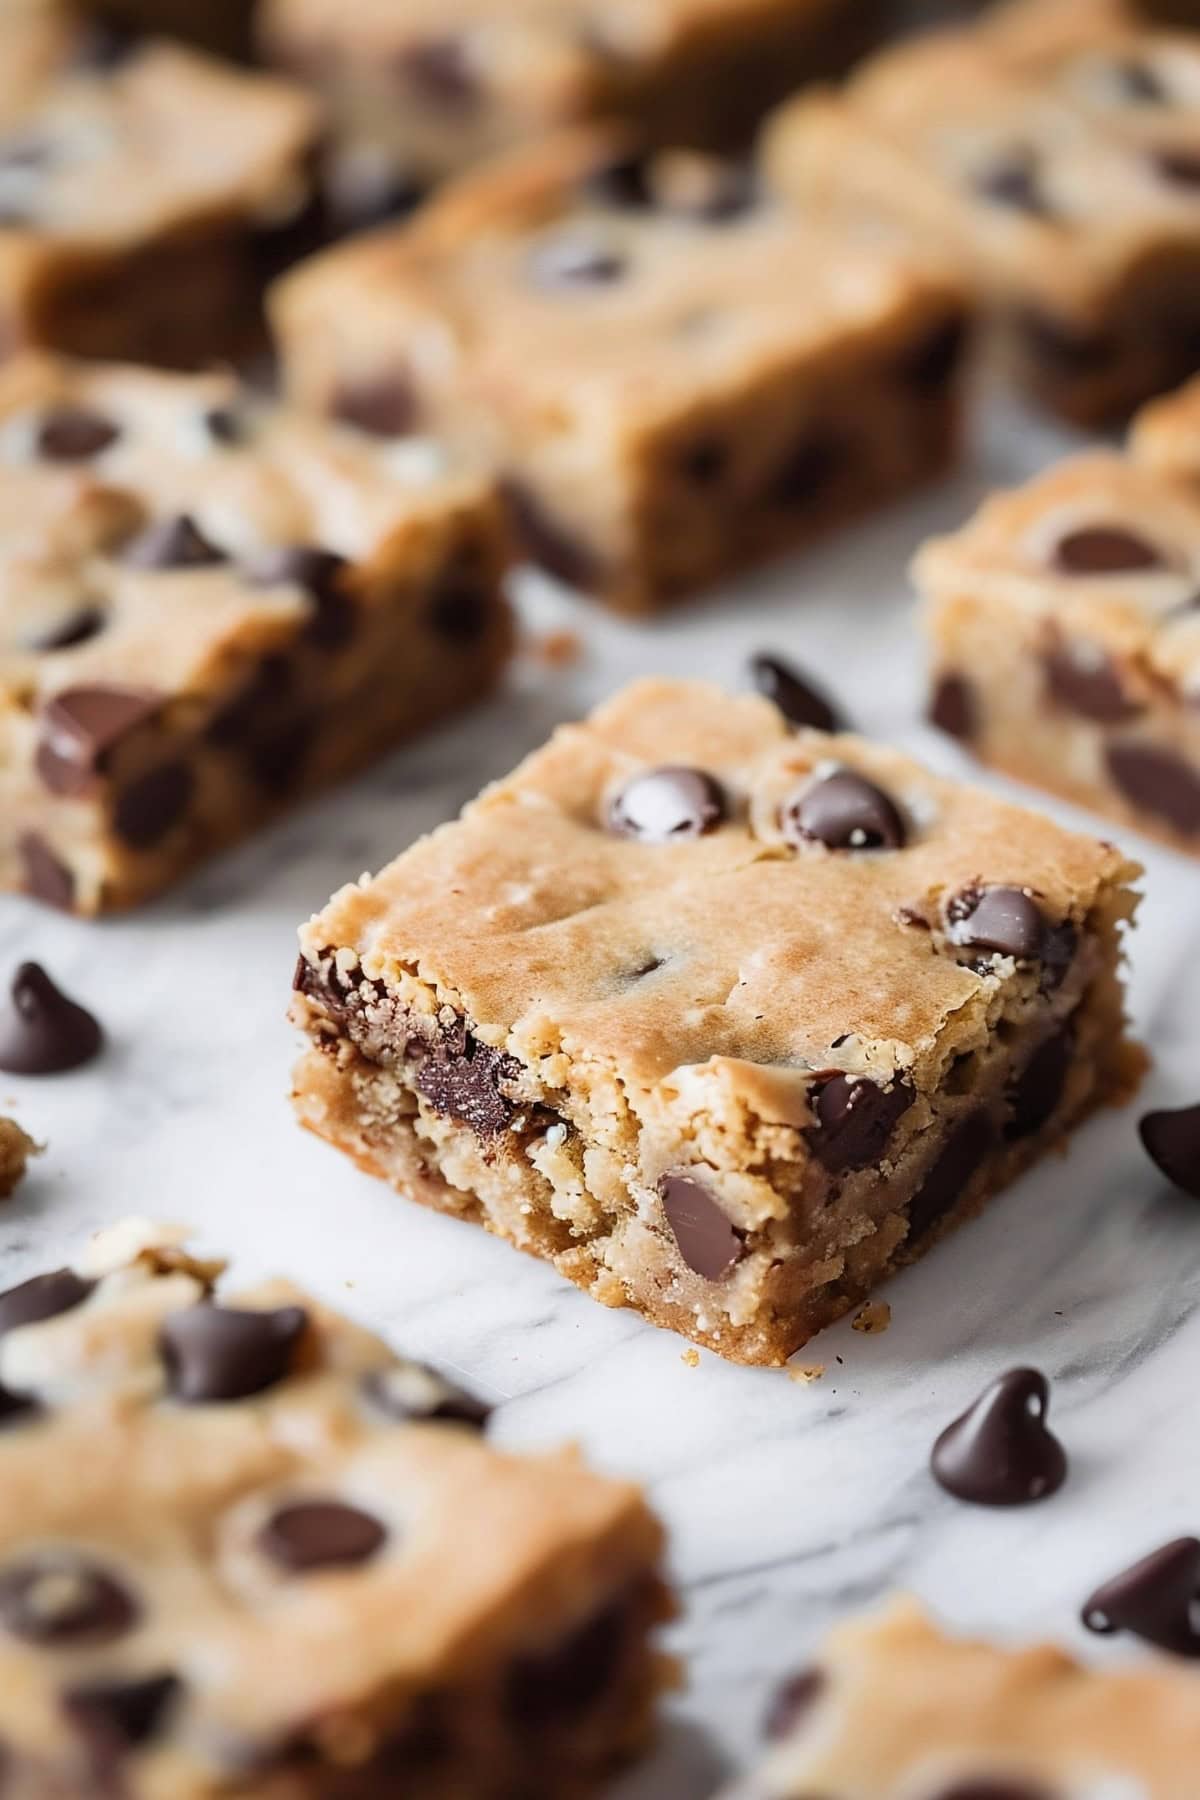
(676, 376)
(1053, 158)
(893, 1707)
(1065, 640)
(122, 235)
(729, 1076)
(16, 1148)
(246, 1550)
(212, 606)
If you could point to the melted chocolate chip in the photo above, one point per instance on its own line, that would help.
(42, 1297)
(559, 1684)
(408, 1391)
(1086, 681)
(1038, 1089)
(320, 1534)
(461, 1080)
(1004, 919)
(59, 1598)
(950, 1175)
(1001, 1452)
(575, 260)
(42, 1032)
(43, 874)
(81, 725)
(1105, 550)
(1172, 1142)
(953, 707)
(222, 1353)
(1157, 1599)
(843, 811)
(706, 1239)
(320, 574)
(440, 70)
(74, 434)
(114, 1716)
(385, 407)
(1157, 781)
(855, 1121)
(175, 543)
(800, 703)
(147, 808)
(1014, 184)
(792, 1703)
(666, 805)
(73, 628)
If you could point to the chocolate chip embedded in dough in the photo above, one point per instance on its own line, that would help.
(74, 434)
(1001, 1451)
(1014, 183)
(843, 811)
(951, 1173)
(174, 543)
(1171, 1140)
(43, 874)
(383, 406)
(1086, 681)
(42, 1030)
(1036, 1092)
(1060, 349)
(705, 1237)
(320, 1534)
(1004, 919)
(320, 574)
(1180, 167)
(42, 1297)
(933, 358)
(668, 805)
(73, 628)
(59, 1598)
(855, 1121)
(990, 1787)
(1106, 550)
(225, 1353)
(147, 808)
(1157, 1599)
(79, 726)
(797, 699)
(562, 1682)
(954, 706)
(463, 1082)
(1157, 782)
(115, 1716)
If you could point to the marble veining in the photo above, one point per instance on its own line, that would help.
(788, 1502)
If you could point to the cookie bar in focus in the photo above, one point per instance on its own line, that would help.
(675, 374)
(893, 1708)
(211, 606)
(725, 1021)
(16, 1148)
(144, 198)
(1053, 159)
(1065, 640)
(287, 1563)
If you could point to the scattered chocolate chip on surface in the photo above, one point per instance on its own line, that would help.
(843, 811)
(1157, 1599)
(1001, 1451)
(705, 1237)
(42, 1031)
(664, 805)
(791, 1704)
(224, 1353)
(797, 699)
(1171, 1139)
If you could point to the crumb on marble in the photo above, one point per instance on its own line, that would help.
(557, 649)
(16, 1147)
(805, 1373)
(691, 1358)
(873, 1318)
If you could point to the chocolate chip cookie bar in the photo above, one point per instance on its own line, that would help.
(725, 1020)
(894, 1708)
(675, 374)
(144, 198)
(210, 607)
(1065, 640)
(16, 1148)
(287, 1563)
(1056, 165)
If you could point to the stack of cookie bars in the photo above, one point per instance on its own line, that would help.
(725, 1013)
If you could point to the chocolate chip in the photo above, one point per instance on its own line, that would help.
(622, 181)
(409, 1391)
(953, 707)
(59, 1598)
(238, 722)
(561, 1683)
(1181, 167)
(1086, 681)
(1001, 1452)
(459, 611)
(42, 1032)
(320, 1534)
(320, 574)
(843, 811)
(1059, 944)
(461, 1080)
(1172, 1142)
(441, 71)
(576, 260)
(667, 805)
(792, 1703)
(277, 757)
(934, 356)
(73, 628)
(800, 703)
(1158, 782)
(1157, 1599)
(806, 470)
(855, 1120)
(149, 807)
(546, 541)
(175, 543)
(1105, 550)
(225, 425)
(706, 1240)
(42, 1297)
(950, 1175)
(987, 1787)
(1038, 1089)
(43, 874)
(384, 407)
(81, 725)
(115, 1716)
(74, 434)
(1004, 919)
(1014, 184)
(222, 1353)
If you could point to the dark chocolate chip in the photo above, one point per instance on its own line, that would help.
(459, 611)
(666, 805)
(1004, 919)
(463, 1083)
(441, 71)
(321, 575)
(806, 470)
(74, 434)
(559, 1684)
(1014, 184)
(708, 1243)
(224, 1353)
(1180, 167)
(1001, 1452)
(843, 811)
(81, 725)
(1086, 681)
(948, 1179)
(576, 259)
(42, 1032)
(933, 357)
(44, 875)
(855, 1121)
(953, 706)
(1157, 1599)
(114, 1716)
(42, 1297)
(622, 181)
(73, 628)
(1038, 1089)
(226, 426)
(800, 703)
(277, 757)
(1059, 944)
(989, 1787)
(147, 808)
(1062, 349)
(411, 1391)
(174, 543)
(792, 1703)
(320, 1534)
(1157, 781)
(1105, 550)
(385, 407)
(1172, 1142)
(59, 1598)
(546, 541)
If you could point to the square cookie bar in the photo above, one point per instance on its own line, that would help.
(723, 1020)
(1056, 167)
(895, 1710)
(246, 1550)
(144, 197)
(675, 374)
(210, 606)
(1065, 639)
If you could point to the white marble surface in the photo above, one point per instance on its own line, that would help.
(787, 1504)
